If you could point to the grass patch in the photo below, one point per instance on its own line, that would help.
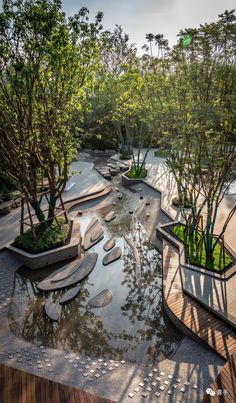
(160, 153)
(132, 174)
(47, 239)
(218, 264)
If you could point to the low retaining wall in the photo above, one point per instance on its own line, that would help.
(39, 260)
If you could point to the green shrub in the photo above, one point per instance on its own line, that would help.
(47, 239)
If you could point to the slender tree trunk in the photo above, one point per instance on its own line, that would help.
(39, 213)
(51, 211)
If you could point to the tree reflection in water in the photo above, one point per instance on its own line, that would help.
(133, 326)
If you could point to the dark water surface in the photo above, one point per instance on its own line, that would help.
(133, 326)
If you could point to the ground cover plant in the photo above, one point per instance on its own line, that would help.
(46, 239)
(219, 262)
(132, 174)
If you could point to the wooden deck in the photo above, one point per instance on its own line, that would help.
(224, 385)
(215, 332)
(21, 387)
(204, 324)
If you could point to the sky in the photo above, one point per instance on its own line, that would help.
(139, 17)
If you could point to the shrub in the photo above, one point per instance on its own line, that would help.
(49, 238)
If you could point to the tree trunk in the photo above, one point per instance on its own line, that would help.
(39, 213)
(51, 211)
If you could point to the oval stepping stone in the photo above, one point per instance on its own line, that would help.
(102, 299)
(67, 270)
(69, 295)
(91, 233)
(86, 266)
(110, 216)
(53, 310)
(112, 256)
(97, 232)
(109, 244)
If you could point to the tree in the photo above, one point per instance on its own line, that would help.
(46, 65)
(201, 130)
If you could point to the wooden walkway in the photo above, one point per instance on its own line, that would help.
(21, 387)
(224, 386)
(205, 325)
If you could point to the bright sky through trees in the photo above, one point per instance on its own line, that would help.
(138, 17)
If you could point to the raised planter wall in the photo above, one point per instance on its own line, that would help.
(39, 260)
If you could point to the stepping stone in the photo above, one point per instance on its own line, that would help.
(91, 233)
(109, 244)
(67, 270)
(110, 216)
(112, 256)
(69, 295)
(120, 196)
(102, 299)
(53, 310)
(97, 232)
(86, 266)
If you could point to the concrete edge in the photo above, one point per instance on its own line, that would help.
(183, 262)
(39, 260)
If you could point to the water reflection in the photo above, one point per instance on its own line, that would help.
(132, 327)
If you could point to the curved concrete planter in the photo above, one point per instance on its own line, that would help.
(39, 260)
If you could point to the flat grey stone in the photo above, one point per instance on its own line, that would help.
(91, 232)
(96, 233)
(112, 256)
(86, 266)
(53, 310)
(69, 295)
(66, 271)
(109, 244)
(110, 216)
(102, 299)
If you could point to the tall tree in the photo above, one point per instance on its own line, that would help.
(46, 64)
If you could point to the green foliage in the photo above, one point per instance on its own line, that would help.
(48, 66)
(47, 239)
(132, 174)
(218, 262)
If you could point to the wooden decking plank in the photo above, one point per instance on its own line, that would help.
(215, 332)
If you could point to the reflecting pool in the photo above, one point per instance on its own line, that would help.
(133, 326)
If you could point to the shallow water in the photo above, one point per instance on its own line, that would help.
(133, 326)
